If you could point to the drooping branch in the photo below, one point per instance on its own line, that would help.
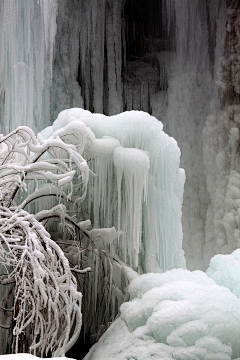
(54, 160)
(46, 299)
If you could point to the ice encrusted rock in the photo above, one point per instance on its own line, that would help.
(179, 315)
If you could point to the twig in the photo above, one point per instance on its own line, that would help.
(84, 271)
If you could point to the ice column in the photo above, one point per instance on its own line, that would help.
(65, 89)
(132, 166)
(142, 193)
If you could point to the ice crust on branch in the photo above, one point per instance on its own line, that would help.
(46, 302)
(47, 306)
(23, 157)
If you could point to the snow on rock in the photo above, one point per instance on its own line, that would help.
(139, 185)
(179, 315)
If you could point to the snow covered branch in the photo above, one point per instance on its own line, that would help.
(47, 305)
(25, 157)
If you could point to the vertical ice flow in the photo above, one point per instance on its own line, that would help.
(27, 33)
(138, 187)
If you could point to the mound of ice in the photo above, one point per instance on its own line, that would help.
(225, 271)
(179, 315)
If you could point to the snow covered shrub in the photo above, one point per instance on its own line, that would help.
(46, 306)
(49, 178)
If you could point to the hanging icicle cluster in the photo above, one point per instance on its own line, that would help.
(133, 160)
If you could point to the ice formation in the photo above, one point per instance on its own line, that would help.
(170, 68)
(177, 315)
(138, 187)
(114, 56)
(225, 271)
(221, 157)
(27, 34)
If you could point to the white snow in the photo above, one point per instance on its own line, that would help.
(179, 315)
(225, 271)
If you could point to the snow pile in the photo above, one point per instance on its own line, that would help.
(138, 188)
(225, 271)
(179, 315)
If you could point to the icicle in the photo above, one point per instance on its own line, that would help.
(132, 167)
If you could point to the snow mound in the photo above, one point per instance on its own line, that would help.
(225, 271)
(179, 315)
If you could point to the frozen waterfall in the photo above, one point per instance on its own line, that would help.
(179, 62)
(27, 35)
(111, 56)
(138, 187)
